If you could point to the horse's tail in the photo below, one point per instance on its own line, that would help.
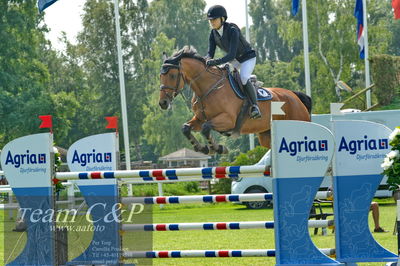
(305, 99)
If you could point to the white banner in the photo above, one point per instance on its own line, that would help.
(361, 147)
(300, 149)
(94, 153)
(26, 161)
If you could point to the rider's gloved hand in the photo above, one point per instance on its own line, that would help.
(211, 62)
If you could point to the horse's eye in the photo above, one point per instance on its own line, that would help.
(172, 76)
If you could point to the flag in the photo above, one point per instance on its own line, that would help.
(276, 108)
(43, 4)
(335, 108)
(295, 7)
(112, 122)
(47, 122)
(396, 8)
(358, 13)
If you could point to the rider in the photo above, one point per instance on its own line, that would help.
(227, 36)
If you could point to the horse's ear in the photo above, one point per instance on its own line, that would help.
(164, 56)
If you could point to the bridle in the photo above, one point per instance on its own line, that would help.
(176, 90)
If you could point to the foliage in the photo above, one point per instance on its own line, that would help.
(251, 157)
(179, 188)
(182, 20)
(23, 76)
(162, 129)
(278, 74)
(268, 42)
(332, 40)
(394, 27)
(386, 75)
(391, 163)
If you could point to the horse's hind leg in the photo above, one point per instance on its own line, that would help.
(186, 130)
(206, 132)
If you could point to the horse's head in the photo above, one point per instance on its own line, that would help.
(171, 84)
(174, 74)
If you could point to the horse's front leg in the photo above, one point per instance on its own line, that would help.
(206, 132)
(187, 128)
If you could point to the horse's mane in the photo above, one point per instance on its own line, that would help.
(186, 52)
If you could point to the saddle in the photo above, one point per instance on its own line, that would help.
(237, 87)
(263, 94)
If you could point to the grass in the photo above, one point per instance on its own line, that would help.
(235, 239)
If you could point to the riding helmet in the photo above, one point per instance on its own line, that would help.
(216, 11)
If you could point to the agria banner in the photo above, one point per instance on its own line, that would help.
(94, 153)
(26, 161)
(361, 147)
(300, 149)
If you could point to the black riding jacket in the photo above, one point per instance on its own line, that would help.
(232, 42)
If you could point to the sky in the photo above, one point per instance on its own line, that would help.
(65, 15)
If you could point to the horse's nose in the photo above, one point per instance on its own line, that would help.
(163, 104)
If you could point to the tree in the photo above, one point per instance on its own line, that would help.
(269, 43)
(23, 76)
(333, 47)
(162, 128)
(183, 20)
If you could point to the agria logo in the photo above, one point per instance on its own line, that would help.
(365, 144)
(305, 145)
(25, 158)
(91, 157)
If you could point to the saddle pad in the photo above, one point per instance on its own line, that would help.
(262, 93)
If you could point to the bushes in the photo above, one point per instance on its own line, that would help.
(386, 75)
(223, 186)
(180, 188)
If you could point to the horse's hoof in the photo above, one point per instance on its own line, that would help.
(205, 150)
(211, 149)
(222, 149)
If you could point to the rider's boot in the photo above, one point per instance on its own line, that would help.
(251, 92)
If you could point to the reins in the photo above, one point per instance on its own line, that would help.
(214, 87)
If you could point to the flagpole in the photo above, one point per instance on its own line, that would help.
(122, 92)
(251, 136)
(306, 49)
(366, 55)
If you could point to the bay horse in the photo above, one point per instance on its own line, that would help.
(215, 105)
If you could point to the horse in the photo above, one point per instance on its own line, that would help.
(216, 106)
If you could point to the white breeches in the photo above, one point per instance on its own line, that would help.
(246, 68)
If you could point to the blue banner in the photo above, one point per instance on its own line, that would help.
(43, 4)
(295, 7)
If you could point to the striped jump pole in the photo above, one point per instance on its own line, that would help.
(198, 199)
(209, 253)
(200, 253)
(172, 174)
(216, 226)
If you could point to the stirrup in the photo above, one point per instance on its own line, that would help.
(255, 112)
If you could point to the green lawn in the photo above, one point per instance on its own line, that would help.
(235, 239)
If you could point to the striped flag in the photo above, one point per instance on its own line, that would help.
(295, 7)
(43, 4)
(396, 8)
(358, 13)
